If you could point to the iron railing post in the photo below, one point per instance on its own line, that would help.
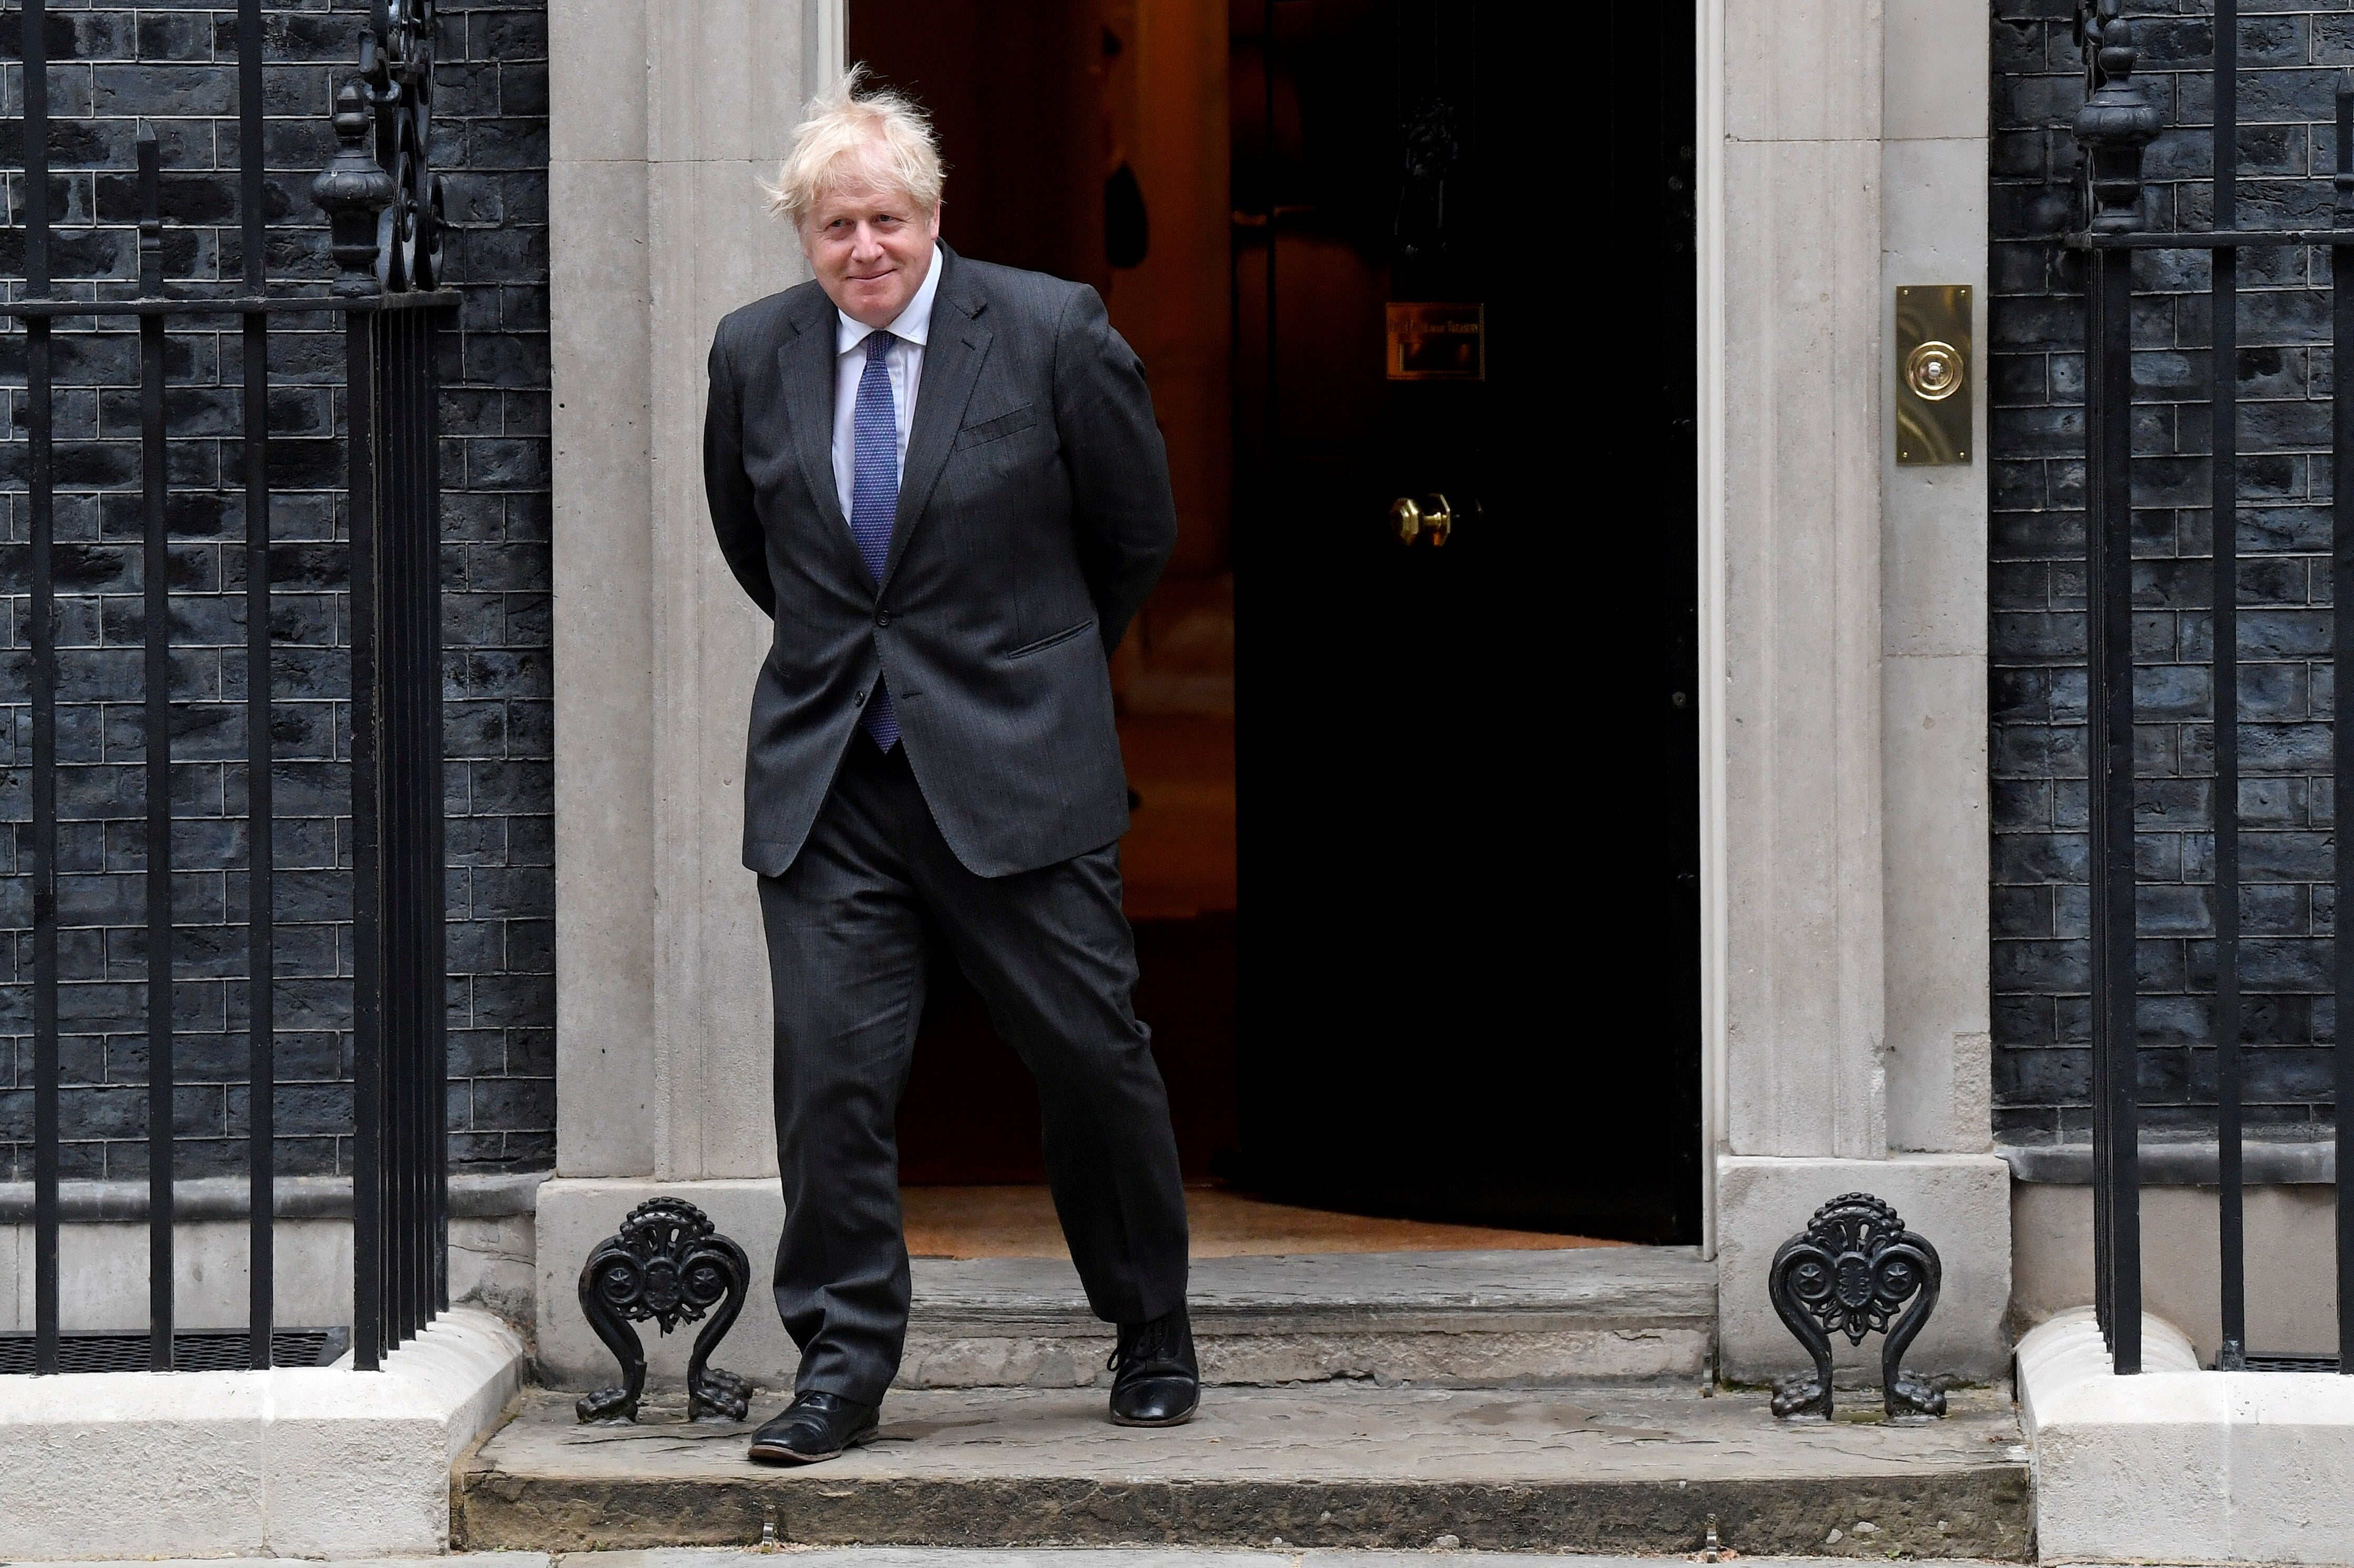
(2109, 581)
(156, 638)
(2341, 469)
(353, 190)
(261, 967)
(387, 716)
(437, 856)
(2115, 126)
(2223, 513)
(369, 1318)
(40, 482)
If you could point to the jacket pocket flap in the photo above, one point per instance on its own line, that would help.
(1045, 642)
(1003, 425)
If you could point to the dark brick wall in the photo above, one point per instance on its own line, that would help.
(2290, 58)
(112, 64)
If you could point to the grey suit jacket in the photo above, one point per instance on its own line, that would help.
(1034, 515)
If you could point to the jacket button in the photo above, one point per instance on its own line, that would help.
(859, 701)
(882, 618)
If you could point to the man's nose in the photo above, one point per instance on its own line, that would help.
(865, 242)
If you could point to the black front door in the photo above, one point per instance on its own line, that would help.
(1468, 763)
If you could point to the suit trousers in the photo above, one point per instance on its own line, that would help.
(851, 927)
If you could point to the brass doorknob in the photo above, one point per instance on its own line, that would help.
(1406, 519)
(1412, 521)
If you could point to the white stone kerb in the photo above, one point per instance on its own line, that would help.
(2181, 1464)
(294, 1462)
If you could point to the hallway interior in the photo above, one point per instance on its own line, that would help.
(977, 1221)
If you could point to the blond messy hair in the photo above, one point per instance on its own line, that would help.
(849, 136)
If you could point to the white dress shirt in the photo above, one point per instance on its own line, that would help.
(904, 360)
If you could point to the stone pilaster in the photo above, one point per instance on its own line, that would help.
(601, 351)
(1802, 970)
(1933, 165)
(665, 117)
(724, 87)
(1843, 154)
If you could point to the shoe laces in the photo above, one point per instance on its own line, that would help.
(1150, 1342)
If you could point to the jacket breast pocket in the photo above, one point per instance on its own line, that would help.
(998, 429)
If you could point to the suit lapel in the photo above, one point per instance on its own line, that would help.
(806, 363)
(952, 360)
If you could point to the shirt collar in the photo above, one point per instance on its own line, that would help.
(912, 324)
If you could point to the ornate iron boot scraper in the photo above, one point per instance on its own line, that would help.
(1848, 1272)
(667, 1263)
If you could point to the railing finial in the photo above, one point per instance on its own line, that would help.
(2116, 123)
(353, 189)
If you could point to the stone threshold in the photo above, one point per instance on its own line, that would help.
(1459, 1318)
(1630, 1283)
(1472, 1319)
(1615, 1466)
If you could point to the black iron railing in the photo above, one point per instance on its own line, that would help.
(383, 203)
(2115, 127)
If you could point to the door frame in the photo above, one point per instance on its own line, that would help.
(1708, 303)
(1840, 832)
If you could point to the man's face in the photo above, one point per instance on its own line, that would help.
(870, 249)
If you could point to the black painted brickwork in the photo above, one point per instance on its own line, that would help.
(2290, 58)
(109, 65)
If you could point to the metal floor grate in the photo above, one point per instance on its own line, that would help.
(2275, 1362)
(221, 1350)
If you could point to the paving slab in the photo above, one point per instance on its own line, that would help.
(1112, 1557)
(976, 1557)
(1604, 1467)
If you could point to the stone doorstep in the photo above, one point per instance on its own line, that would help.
(1467, 1319)
(1471, 1319)
(1618, 1467)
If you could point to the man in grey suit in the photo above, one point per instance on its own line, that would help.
(943, 480)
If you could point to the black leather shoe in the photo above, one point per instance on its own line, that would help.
(1156, 1381)
(814, 1426)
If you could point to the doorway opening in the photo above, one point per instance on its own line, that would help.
(1419, 933)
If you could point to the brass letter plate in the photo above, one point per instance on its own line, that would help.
(1437, 343)
(1933, 373)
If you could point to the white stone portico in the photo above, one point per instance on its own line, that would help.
(1842, 152)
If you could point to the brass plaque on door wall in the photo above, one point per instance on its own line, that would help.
(1933, 373)
(1437, 342)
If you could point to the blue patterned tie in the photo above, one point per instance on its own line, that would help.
(874, 500)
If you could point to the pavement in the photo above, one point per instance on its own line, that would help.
(964, 1557)
(1615, 1466)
